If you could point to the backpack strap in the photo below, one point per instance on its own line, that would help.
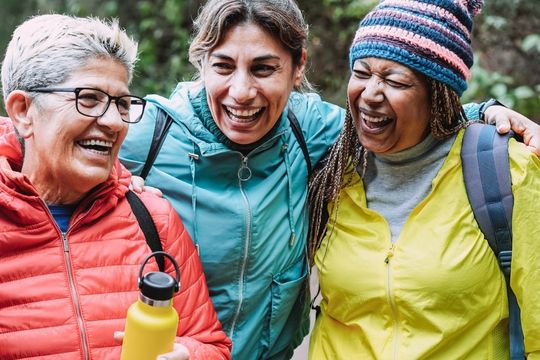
(147, 225)
(163, 123)
(486, 172)
(487, 179)
(297, 131)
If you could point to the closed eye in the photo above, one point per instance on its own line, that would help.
(263, 70)
(397, 84)
(222, 68)
(362, 74)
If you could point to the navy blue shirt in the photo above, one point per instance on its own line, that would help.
(62, 214)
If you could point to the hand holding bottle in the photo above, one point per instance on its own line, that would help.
(180, 352)
(152, 322)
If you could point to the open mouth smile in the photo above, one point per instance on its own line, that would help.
(244, 116)
(375, 122)
(97, 146)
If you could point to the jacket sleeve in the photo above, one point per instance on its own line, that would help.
(525, 269)
(199, 329)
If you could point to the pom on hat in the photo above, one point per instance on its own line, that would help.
(430, 36)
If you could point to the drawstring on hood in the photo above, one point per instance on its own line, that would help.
(285, 154)
(193, 157)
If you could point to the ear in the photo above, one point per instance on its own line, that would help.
(299, 76)
(17, 106)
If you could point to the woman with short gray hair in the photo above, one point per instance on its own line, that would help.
(70, 244)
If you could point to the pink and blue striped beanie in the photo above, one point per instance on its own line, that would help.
(429, 36)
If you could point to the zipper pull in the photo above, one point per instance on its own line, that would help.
(390, 254)
(65, 242)
(244, 173)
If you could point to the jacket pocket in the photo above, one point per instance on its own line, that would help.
(285, 311)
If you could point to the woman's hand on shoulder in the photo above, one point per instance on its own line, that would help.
(137, 185)
(506, 119)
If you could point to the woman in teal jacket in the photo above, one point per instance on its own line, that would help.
(233, 168)
(248, 214)
(231, 160)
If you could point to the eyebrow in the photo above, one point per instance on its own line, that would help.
(257, 59)
(388, 71)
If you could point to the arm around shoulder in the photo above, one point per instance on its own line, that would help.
(525, 276)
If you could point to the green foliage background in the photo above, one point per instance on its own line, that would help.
(506, 39)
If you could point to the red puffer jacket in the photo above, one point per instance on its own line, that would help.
(63, 295)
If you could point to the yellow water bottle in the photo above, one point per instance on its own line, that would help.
(152, 322)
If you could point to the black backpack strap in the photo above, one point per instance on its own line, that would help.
(486, 172)
(147, 225)
(163, 123)
(299, 135)
(297, 131)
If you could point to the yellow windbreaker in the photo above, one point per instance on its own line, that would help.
(438, 291)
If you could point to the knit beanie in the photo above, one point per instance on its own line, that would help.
(432, 37)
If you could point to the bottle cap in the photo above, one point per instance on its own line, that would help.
(158, 285)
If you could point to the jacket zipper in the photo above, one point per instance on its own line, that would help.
(72, 288)
(391, 299)
(244, 174)
(84, 340)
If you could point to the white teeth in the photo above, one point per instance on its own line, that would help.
(243, 113)
(95, 142)
(374, 119)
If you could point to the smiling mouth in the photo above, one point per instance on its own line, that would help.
(376, 122)
(244, 116)
(100, 147)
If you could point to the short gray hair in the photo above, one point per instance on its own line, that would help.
(46, 49)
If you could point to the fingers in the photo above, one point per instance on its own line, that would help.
(503, 124)
(137, 184)
(180, 352)
(506, 119)
(118, 336)
(519, 124)
(153, 190)
(500, 116)
(535, 149)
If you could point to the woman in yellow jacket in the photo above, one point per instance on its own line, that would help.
(405, 271)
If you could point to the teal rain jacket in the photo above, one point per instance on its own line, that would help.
(247, 214)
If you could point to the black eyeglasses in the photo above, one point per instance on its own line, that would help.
(94, 102)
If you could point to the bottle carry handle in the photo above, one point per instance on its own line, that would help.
(173, 261)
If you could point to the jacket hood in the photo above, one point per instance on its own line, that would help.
(9, 144)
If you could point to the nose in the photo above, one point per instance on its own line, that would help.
(373, 90)
(112, 119)
(242, 89)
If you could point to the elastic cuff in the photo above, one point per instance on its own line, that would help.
(485, 106)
